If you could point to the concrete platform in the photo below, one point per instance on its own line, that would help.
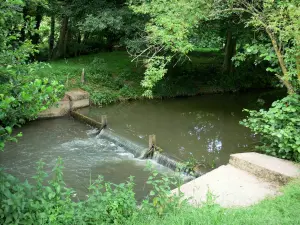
(247, 179)
(266, 167)
(77, 94)
(80, 104)
(72, 100)
(59, 109)
(231, 187)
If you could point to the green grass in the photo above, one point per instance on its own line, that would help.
(284, 209)
(108, 76)
(111, 76)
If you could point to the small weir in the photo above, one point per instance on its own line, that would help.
(194, 127)
(86, 155)
(166, 161)
(139, 151)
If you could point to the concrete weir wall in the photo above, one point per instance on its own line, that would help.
(247, 179)
(72, 100)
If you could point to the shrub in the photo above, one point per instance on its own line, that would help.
(278, 127)
(22, 101)
(50, 202)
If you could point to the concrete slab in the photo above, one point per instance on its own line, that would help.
(62, 108)
(80, 104)
(72, 100)
(231, 187)
(77, 94)
(266, 167)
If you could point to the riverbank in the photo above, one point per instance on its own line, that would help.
(111, 76)
(279, 210)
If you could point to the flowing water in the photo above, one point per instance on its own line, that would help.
(85, 156)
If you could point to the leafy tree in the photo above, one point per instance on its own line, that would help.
(172, 25)
(21, 96)
(280, 21)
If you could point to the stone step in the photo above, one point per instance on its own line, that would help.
(230, 186)
(266, 167)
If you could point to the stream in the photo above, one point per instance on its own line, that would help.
(204, 127)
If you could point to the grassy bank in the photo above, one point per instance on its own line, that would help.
(52, 203)
(108, 76)
(111, 76)
(283, 209)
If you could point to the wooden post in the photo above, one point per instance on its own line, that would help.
(104, 120)
(152, 141)
(82, 76)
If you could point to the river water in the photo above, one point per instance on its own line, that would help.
(204, 127)
(85, 156)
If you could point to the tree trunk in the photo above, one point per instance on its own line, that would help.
(25, 20)
(78, 42)
(284, 79)
(38, 19)
(230, 51)
(51, 37)
(61, 45)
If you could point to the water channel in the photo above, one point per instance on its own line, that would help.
(205, 127)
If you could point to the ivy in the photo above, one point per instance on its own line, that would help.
(278, 127)
(50, 201)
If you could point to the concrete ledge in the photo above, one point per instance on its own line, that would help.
(78, 94)
(231, 187)
(86, 120)
(80, 104)
(72, 100)
(266, 167)
(62, 108)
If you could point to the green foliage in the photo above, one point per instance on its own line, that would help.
(103, 97)
(50, 201)
(161, 200)
(168, 34)
(107, 203)
(156, 69)
(23, 101)
(109, 77)
(22, 203)
(192, 165)
(21, 96)
(278, 127)
(180, 27)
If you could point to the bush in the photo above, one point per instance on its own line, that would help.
(279, 127)
(22, 101)
(50, 202)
